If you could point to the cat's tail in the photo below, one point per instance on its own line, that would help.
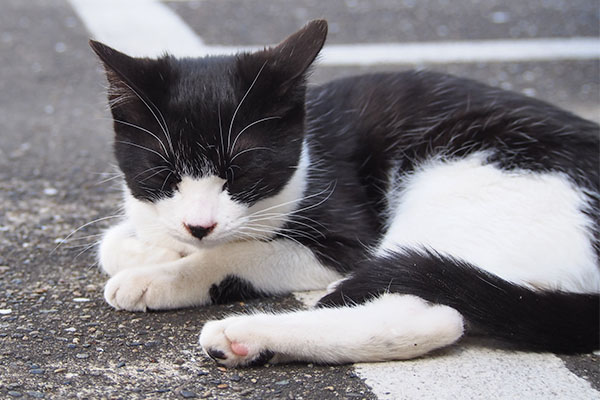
(530, 319)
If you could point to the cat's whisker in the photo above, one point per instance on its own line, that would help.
(146, 131)
(150, 169)
(247, 150)
(283, 216)
(277, 231)
(65, 239)
(304, 217)
(162, 125)
(156, 173)
(112, 178)
(240, 105)
(247, 127)
(270, 232)
(166, 179)
(95, 235)
(144, 148)
(85, 250)
(258, 212)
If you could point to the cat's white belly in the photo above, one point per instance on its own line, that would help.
(527, 228)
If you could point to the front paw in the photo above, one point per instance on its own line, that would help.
(120, 250)
(139, 290)
(230, 342)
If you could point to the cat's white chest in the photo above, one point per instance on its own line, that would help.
(527, 228)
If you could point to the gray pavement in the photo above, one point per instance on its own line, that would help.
(58, 339)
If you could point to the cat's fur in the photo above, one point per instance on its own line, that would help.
(437, 206)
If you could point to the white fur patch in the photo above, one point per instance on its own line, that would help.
(527, 228)
(391, 327)
(275, 267)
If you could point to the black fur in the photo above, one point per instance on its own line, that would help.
(233, 289)
(535, 320)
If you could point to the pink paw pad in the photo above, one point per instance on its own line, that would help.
(239, 349)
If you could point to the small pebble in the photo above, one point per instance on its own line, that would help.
(14, 393)
(37, 371)
(179, 361)
(35, 394)
(330, 388)
(5, 311)
(121, 364)
(186, 394)
(82, 356)
(283, 382)
(235, 378)
(59, 370)
(81, 299)
(222, 386)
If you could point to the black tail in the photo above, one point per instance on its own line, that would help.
(534, 320)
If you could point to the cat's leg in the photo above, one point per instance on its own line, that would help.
(120, 249)
(389, 327)
(275, 267)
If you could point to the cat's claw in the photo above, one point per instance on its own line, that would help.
(224, 342)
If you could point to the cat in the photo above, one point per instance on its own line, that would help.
(430, 206)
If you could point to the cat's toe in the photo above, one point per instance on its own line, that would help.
(231, 353)
(124, 292)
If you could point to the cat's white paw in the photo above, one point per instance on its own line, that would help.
(120, 250)
(139, 290)
(234, 342)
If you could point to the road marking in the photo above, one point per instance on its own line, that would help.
(472, 372)
(150, 28)
(138, 27)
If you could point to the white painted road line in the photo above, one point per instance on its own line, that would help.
(138, 27)
(149, 28)
(472, 372)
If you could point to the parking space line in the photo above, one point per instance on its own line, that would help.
(150, 28)
(138, 27)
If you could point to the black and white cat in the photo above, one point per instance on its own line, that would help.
(432, 206)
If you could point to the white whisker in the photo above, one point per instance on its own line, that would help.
(240, 104)
(146, 131)
(247, 127)
(144, 148)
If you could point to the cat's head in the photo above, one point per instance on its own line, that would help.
(210, 147)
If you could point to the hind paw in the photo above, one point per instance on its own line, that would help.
(235, 342)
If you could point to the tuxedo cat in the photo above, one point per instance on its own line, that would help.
(431, 206)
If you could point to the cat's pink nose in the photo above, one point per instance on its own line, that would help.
(199, 231)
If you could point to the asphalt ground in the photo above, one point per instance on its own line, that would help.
(58, 338)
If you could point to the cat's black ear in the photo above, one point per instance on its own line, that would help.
(129, 78)
(298, 51)
(286, 64)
